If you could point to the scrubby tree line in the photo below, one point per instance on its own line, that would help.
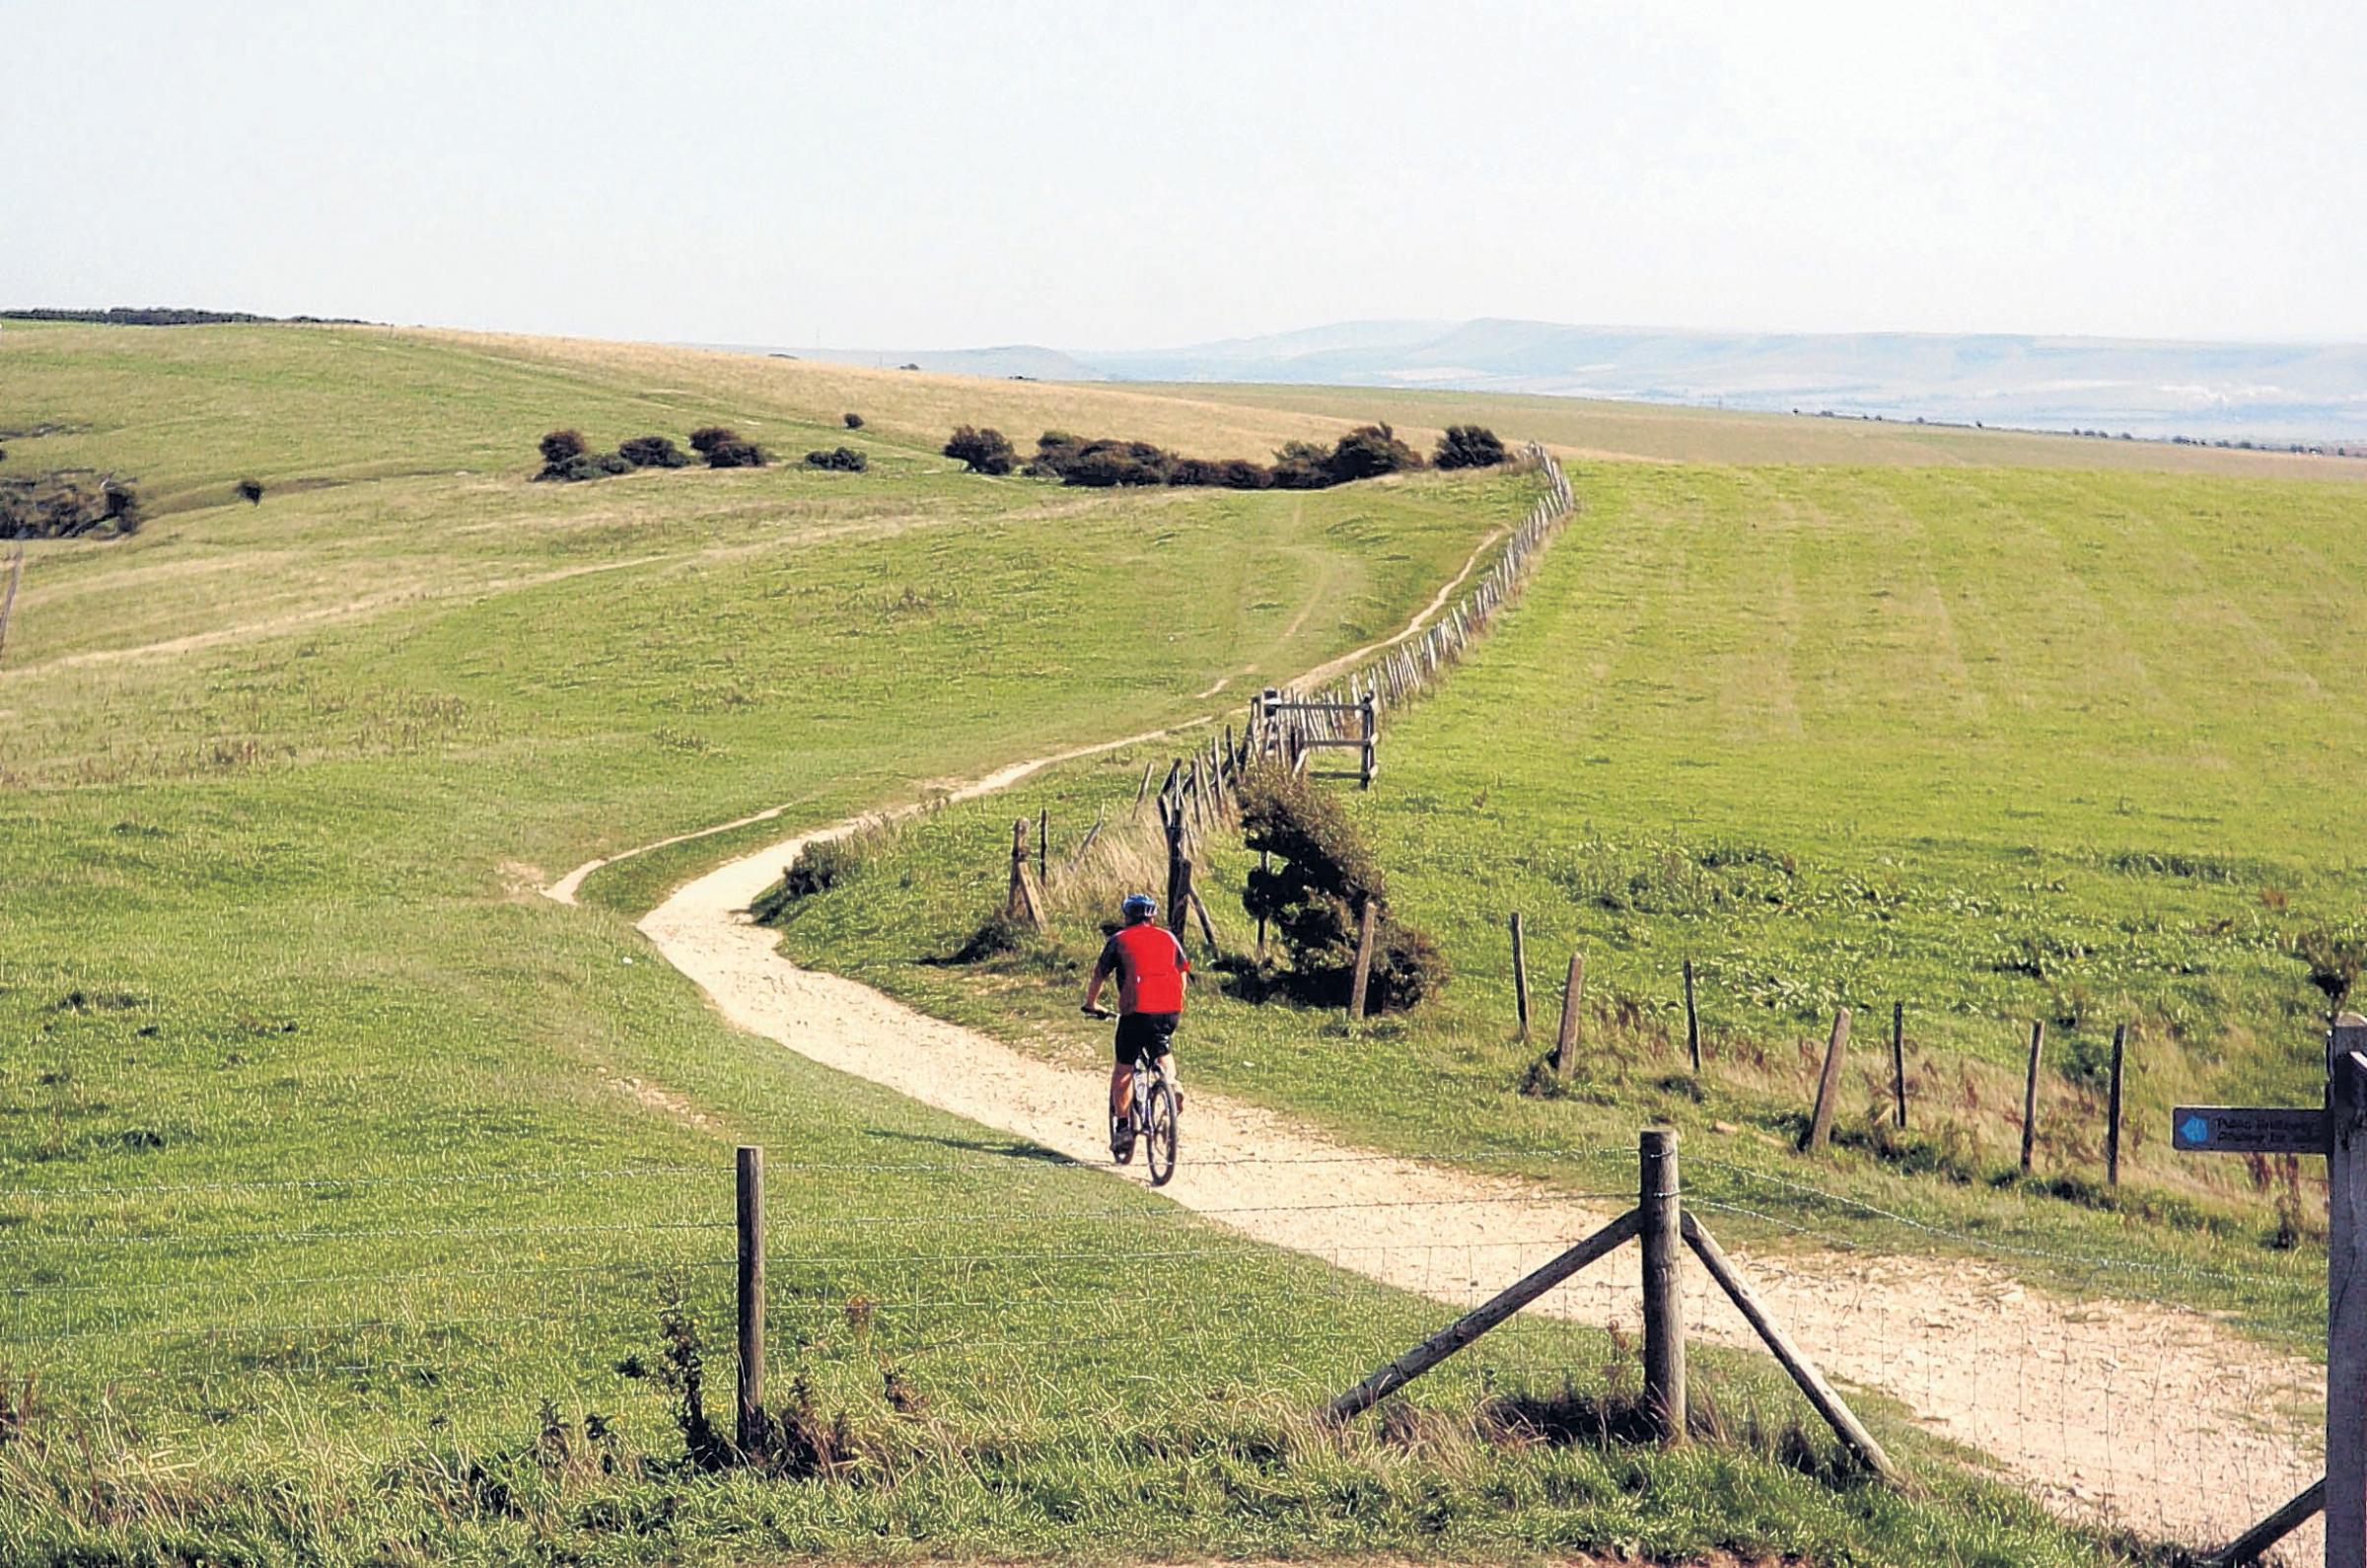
(169, 316)
(568, 458)
(72, 503)
(1102, 463)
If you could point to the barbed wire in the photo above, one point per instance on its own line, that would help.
(424, 1180)
(1967, 1240)
(721, 1171)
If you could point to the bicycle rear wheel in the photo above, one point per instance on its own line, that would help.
(1159, 1136)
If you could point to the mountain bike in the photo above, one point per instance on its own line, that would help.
(1151, 1118)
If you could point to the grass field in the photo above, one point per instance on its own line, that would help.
(1999, 745)
(1660, 433)
(343, 1177)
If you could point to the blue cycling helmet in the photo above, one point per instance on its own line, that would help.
(1138, 906)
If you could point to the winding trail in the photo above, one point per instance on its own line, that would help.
(2122, 1412)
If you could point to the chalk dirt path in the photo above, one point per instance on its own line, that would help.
(2147, 1416)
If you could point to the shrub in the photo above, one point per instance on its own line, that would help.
(2335, 961)
(1055, 452)
(561, 445)
(982, 450)
(1243, 474)
(654, 451)
(1368, 452)
(1469, 447)
(854, 421)
(1322, 874)
(846, 460)
(1196, 470)
(820, 865)
(122, 505)
(737, 454)
(72, 503)
(251, 491)
(1302, 465)
(613, 463)
(1106, 463)
(706, 438)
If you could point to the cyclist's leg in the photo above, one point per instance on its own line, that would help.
(1122, 1087)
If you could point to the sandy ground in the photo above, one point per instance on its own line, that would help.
(2147, 1416)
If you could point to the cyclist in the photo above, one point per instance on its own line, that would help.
(1151, 968)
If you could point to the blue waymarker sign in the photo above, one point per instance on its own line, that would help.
(2248, 1129)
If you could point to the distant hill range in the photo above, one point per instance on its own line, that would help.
(2311, 393)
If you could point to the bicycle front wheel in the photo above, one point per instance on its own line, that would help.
(1159, 1136)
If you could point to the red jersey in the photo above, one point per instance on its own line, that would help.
(1150, 966)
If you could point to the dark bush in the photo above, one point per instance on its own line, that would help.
(574, 470)
(846, 460)
(613, 463)
(982, 450)
(820, 865)
(1469, 447)
(123, 506)
(1302, 465)
(1323, 873)
(1106, 463)
(1073, 459)
(1055, 452)
(706, 438)
(1196, 470)
(654, 451)
(737, 454)
(2335, 961)
(854, 421)
(1368, 452)
(561, 445)
(251, 491)
(71, 503)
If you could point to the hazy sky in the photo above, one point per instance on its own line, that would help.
(1143, 174)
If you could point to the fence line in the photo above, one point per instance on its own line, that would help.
(1411, 667)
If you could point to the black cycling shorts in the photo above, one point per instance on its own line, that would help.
(1144, 1037)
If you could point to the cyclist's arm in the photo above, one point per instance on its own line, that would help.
(1102, 967)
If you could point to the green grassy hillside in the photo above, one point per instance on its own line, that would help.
(343, 1178)
(2001, 746)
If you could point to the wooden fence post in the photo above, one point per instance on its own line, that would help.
(2346, 1308)
(1372, 741)
(1471, 1324)
(1179, 874)
(8, 605)
(1659, 1212)
(1804, 1373)
(750, 1209)
(2112, 1112)
(1565, 1039)
(1520, 975)
(1829, 1084)
(1044, 840)
(1364, 958)
(1021, 899)
(2029, 1093)
(1693, 1021)
(1898, 1065)
(1264, 863)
